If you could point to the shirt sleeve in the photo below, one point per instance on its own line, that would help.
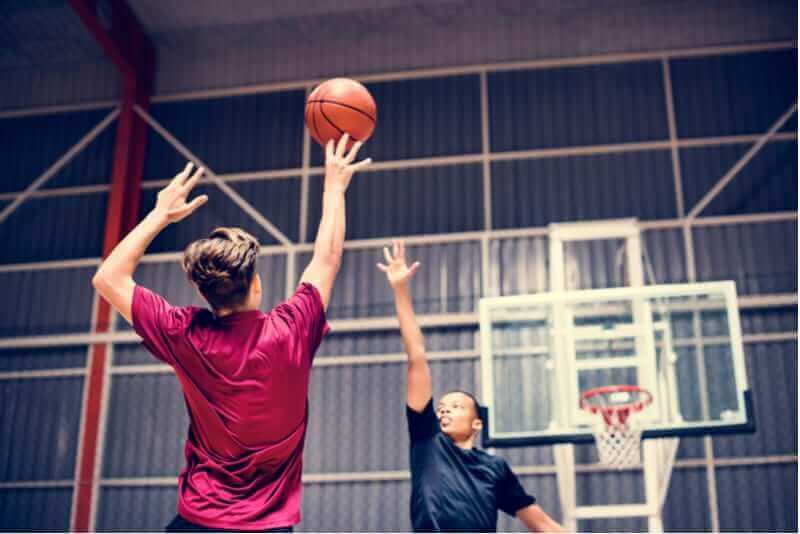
(304, 315)
(155, 320)
(422, 425)
(511, 496)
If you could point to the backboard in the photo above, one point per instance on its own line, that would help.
(682, 342)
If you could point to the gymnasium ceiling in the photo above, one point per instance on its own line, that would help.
(208, 44)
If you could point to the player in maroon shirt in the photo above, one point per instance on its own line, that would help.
(244, 373)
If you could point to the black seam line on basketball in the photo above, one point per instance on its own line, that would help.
(325, 116)
(323, 101)
(322, 110)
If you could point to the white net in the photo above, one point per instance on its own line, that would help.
(618, 439)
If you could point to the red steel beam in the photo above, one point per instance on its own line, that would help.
(128, 47)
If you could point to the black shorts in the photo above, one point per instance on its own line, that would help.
(179, 524)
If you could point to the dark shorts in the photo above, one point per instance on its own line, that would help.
(179, 524)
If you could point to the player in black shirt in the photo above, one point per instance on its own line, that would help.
(454, 485)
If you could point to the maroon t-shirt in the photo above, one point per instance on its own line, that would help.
(245, 380)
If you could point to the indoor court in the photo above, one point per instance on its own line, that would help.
(601, 194)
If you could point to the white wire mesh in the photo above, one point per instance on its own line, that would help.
(618, 439)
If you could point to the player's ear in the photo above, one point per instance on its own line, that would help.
(477, 424)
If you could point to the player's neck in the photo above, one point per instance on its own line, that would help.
(224, 312)
(465, 444)
(253, 302)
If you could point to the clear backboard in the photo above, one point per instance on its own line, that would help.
(681, 342)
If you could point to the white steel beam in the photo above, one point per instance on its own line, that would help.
(37, 484)
(52, 110)
(673, 136)
(363, 325)
(612, 511)
(42, 373)
(436, 161)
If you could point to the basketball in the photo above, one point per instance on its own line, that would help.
(340, 106)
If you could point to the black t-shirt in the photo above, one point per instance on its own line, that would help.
(454, 489)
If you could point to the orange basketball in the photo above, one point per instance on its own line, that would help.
(340, 106)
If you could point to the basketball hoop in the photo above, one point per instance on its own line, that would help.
(618, 433)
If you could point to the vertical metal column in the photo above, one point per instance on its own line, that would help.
(132, 53)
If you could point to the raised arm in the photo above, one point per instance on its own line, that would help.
(536, 520)
(114, 278)
(419, 374)
(324, 264)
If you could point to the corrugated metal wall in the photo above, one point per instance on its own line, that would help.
(450, 283)
(35, 509)
(753, 498)
(761, 258)
(408, 202)
(53, 301)
(725, 95)
(357, 424)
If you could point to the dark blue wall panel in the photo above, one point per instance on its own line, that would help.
(146, 426)
(665, 251)
(132, 509)
(576, 106)
(759, 321)
(390, 342)
(48, 301)
(42, 358)
(356, 507)
(758, 498)
(537, 192)
(406, 202)
(733, 94)
(686, 507)
(448, 281)
(35, 509)
(371, 434)
(760, 258)
(59, 228)
(39, 428)
(230, 135)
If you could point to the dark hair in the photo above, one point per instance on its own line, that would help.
(222, 266)
(474, 401)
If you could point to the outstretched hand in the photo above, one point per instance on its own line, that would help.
(339, 166)
(397, 271)
(171, 201)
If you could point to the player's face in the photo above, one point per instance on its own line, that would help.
(456, 414)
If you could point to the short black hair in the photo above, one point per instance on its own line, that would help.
(478, 412)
